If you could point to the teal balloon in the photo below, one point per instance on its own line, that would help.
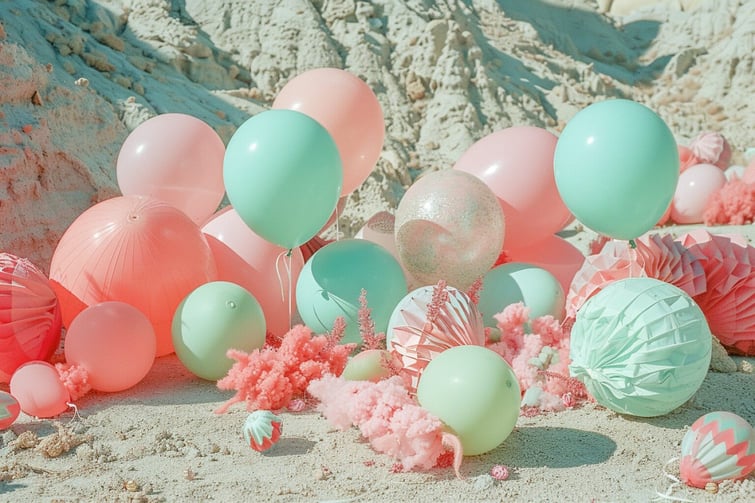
(283, 176)
(516, 282)
(616, 167)
(332, 280)
(475, 393)
(641, 346)
(212, 319)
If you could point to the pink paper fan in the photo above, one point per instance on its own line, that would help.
(450, 319)
(729, 300)
(656, 256)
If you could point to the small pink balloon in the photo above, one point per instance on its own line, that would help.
(114, 342)
(554, 254)
(39, 391)
(348, 109)
(693, 191)
(448, 226)
(517, 164)
(265, 276)
(177, 158)
(132, 249)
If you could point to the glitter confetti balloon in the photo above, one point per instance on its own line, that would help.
(449, 226)
(718, 446)
(262, 430)
(641, 346)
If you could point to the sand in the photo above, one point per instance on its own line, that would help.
(77, 76)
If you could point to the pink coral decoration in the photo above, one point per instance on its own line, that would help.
(712, 148)
(270, 378)
(388, 416)
(451, 319)
(732, 204)
(655, 256)
(729, 300)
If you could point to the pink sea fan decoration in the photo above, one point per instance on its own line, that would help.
(75, 378)
(270, 378)
(732, 204)
(729, 300)
(655, 256)
(712, 148)
(451, 319)
(388, 416)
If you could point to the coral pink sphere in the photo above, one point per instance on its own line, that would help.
(695, 188)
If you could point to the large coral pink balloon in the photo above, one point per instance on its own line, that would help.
(266, 274)
(554, 254)
(695, 188)
(449, 226)
(39, 391)
(517, 164)
(176, 158)
(346, 106)
(136, 250)
(30, 318)
(114, 342)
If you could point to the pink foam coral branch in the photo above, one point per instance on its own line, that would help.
(270, 378)
(75, 378)
(367, 326)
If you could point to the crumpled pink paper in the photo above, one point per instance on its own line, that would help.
(656, 256)
(729, 300)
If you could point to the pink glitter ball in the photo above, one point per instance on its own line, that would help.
(499, 472)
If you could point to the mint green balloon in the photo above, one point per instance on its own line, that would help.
(616, 166)
(212, 319)
(641, 346)
(283, 176)
(332, 280)
(475, 393)
(516, 282)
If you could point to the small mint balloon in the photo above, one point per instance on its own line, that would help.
(212, 319)
(616, 166)
(475, 393)
(283, 176)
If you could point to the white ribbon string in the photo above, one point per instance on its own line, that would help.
(286, 255)
(667, 496)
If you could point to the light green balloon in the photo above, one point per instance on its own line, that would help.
(283, 176)
(332, 280)
(212, 319)
(475, 393)
(369, 365)
(641, 346)
(516, 282)
(616, 167)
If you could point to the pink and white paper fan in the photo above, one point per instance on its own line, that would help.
(729, 300)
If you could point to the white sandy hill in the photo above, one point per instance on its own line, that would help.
(77, 76)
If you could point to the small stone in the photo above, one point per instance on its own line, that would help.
(36, 99)
(711, 487)
(131, 486)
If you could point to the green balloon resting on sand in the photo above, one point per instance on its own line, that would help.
(641, 346)
(283, 175)
(616, 166)
(332, 280)
(475, 393)
(212, 319)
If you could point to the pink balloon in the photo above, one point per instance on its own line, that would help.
(30, 318)
(693, 191)
(346, 106)
(517, 164)
(554, 254)
(136, 250)
(749, 174)
(256, 264)
(39, 391)
(114, 342)
(176, 158)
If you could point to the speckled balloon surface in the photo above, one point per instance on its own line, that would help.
(449, 226)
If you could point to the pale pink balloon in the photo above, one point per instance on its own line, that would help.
(176, 158)
(693, 191)
(265, 276)
(449, 226)
(517, 164)
(554, 254)
(114, 342)
(749, 174)
(136, 250)
(37, 387)
(346, 106)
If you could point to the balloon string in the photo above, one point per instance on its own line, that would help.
(287, 262)
(675, 483)
(76, 414)
(281, 287)
(286, 255)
